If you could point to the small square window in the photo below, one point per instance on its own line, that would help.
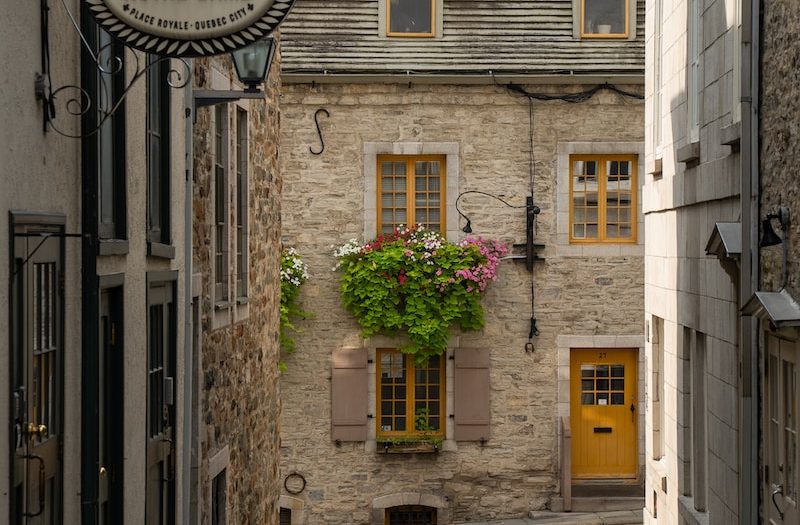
(412, 18)
(604, 18)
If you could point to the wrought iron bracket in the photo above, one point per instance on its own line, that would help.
(209, 97)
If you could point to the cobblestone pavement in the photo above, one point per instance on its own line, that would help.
(620, 517)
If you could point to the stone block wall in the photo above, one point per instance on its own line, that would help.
(690, 293)
(596, 291)
(240, 406)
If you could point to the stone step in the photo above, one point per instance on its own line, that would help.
(598, 504)
(620, 517)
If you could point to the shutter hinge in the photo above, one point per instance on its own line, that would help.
(370, 416)
(370, 361)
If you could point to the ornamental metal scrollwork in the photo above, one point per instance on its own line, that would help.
(76, 100)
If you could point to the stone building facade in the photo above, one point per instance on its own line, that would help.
(236, 246)
(587, 297)
(778, 334)
(722, 349)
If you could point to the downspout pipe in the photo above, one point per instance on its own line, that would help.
(749, 473)
(188, 338)
(90, 307)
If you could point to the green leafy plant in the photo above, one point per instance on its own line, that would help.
(294, 272)
(413, 281)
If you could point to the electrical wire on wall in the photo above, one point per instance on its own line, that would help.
(573, 98)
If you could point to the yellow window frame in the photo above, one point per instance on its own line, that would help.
(626, 34)
(389, 31)
(410, 369)
(411, 188)
(601, 199)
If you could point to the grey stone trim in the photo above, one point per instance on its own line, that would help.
(451, 152)
(381, 503)
(564, 345)
(688, 153)
(296, 505)
(562, 245)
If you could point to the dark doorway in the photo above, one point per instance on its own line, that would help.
(111, 407)
(36, 315)
(411, 515)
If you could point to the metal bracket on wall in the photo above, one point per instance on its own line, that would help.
(319, 131)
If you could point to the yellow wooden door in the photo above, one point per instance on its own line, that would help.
(604, 409)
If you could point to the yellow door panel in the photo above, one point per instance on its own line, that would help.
(603, 413)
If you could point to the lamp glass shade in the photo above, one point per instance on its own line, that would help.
(252, 62)
(770, 238)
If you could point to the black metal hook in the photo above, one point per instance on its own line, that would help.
(319, 131)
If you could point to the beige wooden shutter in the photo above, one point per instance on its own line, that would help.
(349, 395)
(471, 391)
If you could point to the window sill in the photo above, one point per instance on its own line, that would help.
(242, 300)
(112, 247)
(223, 305)
(689, 154)
(388, 447)
(658, 168)
(156, 249)
(731, 136)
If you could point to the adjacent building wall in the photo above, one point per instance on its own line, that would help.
(587, 296)
(238, 364)
(691, 307)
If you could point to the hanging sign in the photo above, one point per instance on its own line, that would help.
(185, 28)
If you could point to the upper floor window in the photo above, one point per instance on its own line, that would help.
(242, 207)
(158, 152)
(605, 18)
(411, 191)
(221, 203)
(602, 198)
(411, 18)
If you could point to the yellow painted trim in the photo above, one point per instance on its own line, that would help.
(389, 32)
(411, 187)
(617, 417)
(410, 369)
(601, 199)
(626, 34)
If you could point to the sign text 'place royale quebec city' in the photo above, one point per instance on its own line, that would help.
(189, 27)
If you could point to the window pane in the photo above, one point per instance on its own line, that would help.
(587, 399)
(410, 16)
(617, 384)
(617, 399)
(602, 384)
(604, 17)
(602, 370)
(587, 385)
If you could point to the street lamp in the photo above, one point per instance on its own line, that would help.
(252, 64)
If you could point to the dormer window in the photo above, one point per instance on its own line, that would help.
(411, 18)
(605, 18)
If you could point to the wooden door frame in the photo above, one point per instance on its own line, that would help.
(564, 345)
(49, 227)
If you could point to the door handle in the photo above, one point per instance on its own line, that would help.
(633, 412)
(41, 485)
(777, 489)
(37, 430)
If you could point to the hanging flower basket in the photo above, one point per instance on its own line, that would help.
(294, 272)
(414, 282)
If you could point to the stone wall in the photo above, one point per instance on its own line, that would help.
(596, 290)
(780, 111)
(239, 415)
(690, 294)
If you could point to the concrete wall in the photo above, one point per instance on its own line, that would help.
(238, 381)
(691, 292)
(41, 172)
(580, 291)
